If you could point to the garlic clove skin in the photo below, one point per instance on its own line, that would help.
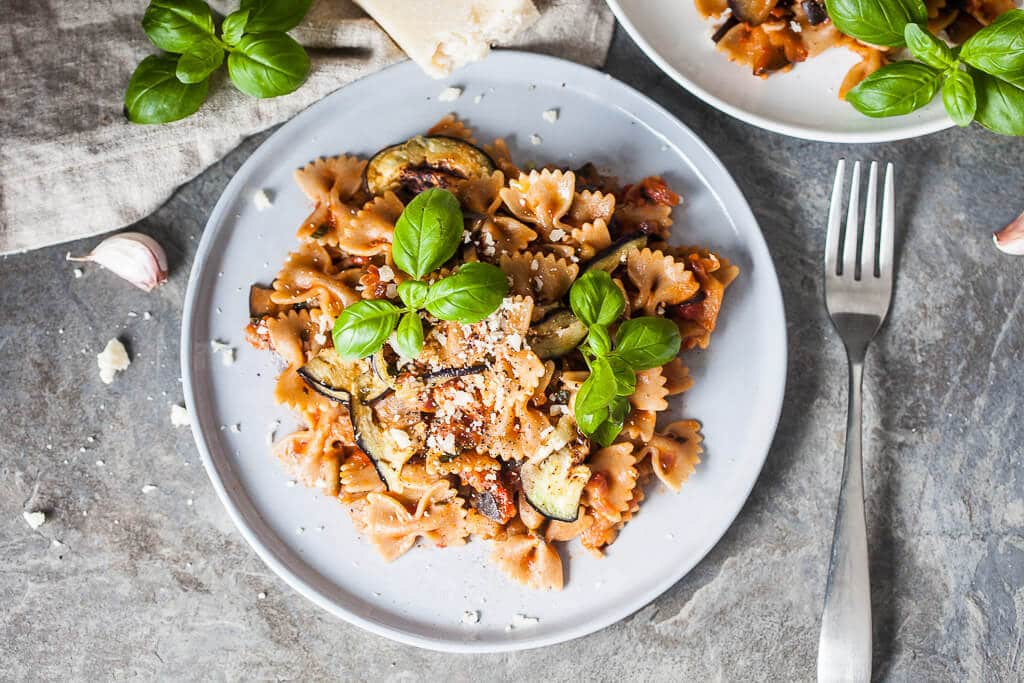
(137, 258)
(1010, 240)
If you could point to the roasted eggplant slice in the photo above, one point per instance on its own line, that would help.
(328, 375)
(554, 485)
(610, 258)
(382, 369)
(425, 161)
(445, 374)
(556, 335)
(752, 12)
(378, 446)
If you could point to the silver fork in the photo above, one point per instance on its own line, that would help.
(858, 288)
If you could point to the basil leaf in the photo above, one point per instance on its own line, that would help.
(267, 64)
(201, 60)
(413, 293)
(597, 392)
(176, 25)
(470, 295)
(275, 15)
(895, 89)
(155, 95)
(599, 340)
(589, 423)
(647, 342)
(595, 298)
(625, 377)
(879, 22)
(959, 97)
(928, 48)
(363, 327)
(409, 335)
(1000, 105)
(998, 49)
(234, 26)
(428, 232)
(605, 432)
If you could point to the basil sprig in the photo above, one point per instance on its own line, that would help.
(262, 60)
(981, 81)
(602, 402)
(427, 235)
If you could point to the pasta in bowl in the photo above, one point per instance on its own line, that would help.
(481, 351)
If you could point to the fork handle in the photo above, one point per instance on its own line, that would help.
(844, 649)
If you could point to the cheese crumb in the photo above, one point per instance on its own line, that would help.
(471, 616)
(226, 351)
(236, 428)
(179, 415)
(113, 359)
(478, 99)
(34, 519)
(78, 273)
(148, 488)
(272, 431)
(400, 437)
(551, 115)
(146, 315)
(262, 200)
(450, 94)
(795, 26)
(535, 139)
(386, 273)
(261, 596)
(557, 235)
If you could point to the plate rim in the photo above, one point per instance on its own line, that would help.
(740, 214)
(802, 132)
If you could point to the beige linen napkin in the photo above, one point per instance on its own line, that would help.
(72, 166)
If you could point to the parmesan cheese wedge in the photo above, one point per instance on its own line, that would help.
(444, 35)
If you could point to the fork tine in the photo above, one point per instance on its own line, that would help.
(867, 250)
(887, 238)
(852, 225)
(835, 218)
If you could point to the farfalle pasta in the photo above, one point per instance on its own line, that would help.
(475, 435)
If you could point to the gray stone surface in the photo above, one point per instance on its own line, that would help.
(160, 585)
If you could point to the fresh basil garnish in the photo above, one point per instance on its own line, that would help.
(625, 376)
(428, 232)
(409, 335)
(275, 15)
(598, 390)
(413, 293)
(1000, 104)
(959, 98)
(998, 49)
(262, 60)
(879, 22)
(602, 403)
(928, 48)
(363, 327)
(469, 295)
(647, 342)
(202, 59)
(234, 26)
(267, 64)
(155, 95)
(177, 25)
(895, 89)
(595, 299)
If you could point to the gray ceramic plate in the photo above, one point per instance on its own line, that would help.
(420, 598)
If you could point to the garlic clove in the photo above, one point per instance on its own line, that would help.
(1010, 240)
(137, 258)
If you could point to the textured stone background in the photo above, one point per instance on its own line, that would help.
(151, 586)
